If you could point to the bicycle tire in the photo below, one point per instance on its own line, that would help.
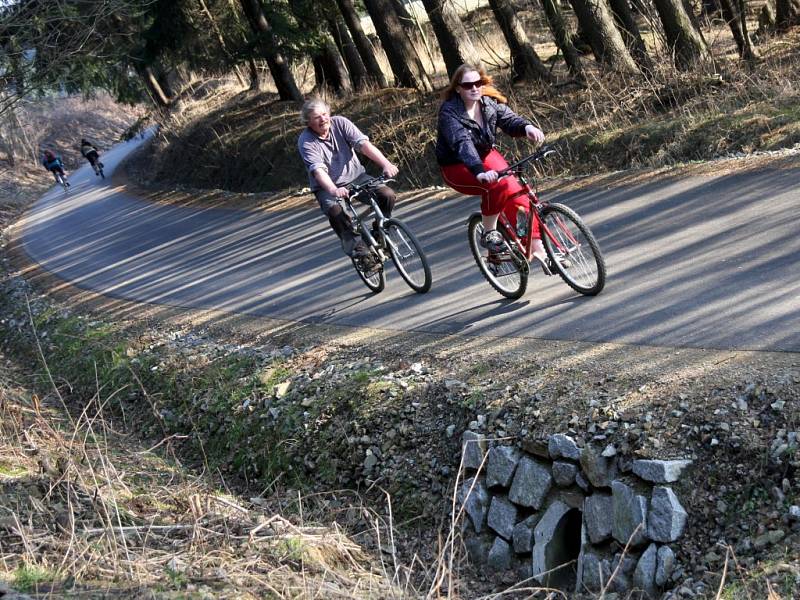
(509, 276)
(586, 272)
(376, 282)
(62, 180)
(406, 253)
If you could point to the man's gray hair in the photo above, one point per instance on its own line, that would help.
(313, 105)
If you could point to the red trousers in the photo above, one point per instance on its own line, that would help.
(501, 196)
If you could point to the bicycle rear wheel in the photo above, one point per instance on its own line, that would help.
(407, 255)
(374, 279)
(505, 272)
(573, 250)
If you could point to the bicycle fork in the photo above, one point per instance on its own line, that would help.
(366, 233)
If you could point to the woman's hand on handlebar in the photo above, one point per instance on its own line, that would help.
(534, 134)
(487, 176)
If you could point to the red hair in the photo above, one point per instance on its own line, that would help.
(488, 87)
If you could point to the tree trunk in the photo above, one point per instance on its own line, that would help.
(454, 41)
(355, 66)
(555, 19)
(255, 76)
(749, 53)
(220, 39)
(278, 65)
(787, 13)
(525, 63)
(683, 39)
(630, 34)
(407, 20)
(153, 86)
(403, 58)
(365, 49)
(731, 14)
(330, 70)
(597, 21)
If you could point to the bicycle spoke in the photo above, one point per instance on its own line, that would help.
(407, 255)
(571, 245)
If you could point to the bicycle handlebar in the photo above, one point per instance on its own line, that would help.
(372, 183)
(540, 154)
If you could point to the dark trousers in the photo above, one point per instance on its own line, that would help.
(341, 223)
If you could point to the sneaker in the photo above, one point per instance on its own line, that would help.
(493, 241)
(363, 257)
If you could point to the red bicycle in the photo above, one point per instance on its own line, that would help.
(572, 250)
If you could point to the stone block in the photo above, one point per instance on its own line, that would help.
(665, 564)
(502, 516)
(473, 447)
(593, 572)
(531, 483)
(500, 465)
(563, 446)
(550, 543)
(644, 576)
(667, 518)
(522, 536)
(599, 470)
(499, 559)
(475, 502)
(629, 515)
(597, 516)
(660, 471)
(564, 473)
(478, 549)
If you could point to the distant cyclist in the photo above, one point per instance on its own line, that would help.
(89, 152)
(52, 162)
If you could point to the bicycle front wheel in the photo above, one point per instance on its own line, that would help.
(505, 272)
(407, 256)
(375, 279)
(573, 250)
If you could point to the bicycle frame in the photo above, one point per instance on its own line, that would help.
(358, 219)
(535, 207)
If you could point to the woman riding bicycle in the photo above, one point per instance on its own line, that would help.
(52, 162)
(89, 152)
(469, 115)
(328, 148)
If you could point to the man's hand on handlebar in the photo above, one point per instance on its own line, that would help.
(340, 192)
(534, 134)
(487, 176)
(390, 170)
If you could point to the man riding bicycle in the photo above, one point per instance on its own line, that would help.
(52, 162)
(90, 153)
(327, 147)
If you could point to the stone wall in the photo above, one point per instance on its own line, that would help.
(563, 515)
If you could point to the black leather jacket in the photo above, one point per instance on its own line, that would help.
(462, 140)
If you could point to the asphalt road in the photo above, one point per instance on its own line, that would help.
(707, 262)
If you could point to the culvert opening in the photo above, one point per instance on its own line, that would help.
(564, 549)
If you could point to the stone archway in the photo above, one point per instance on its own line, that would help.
(557, 541)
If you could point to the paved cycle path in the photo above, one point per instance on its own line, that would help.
(708, 262)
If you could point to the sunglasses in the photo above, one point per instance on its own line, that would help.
(468, 85)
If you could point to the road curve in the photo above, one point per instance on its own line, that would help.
(705, 262)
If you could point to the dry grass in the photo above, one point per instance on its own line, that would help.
(88, 511)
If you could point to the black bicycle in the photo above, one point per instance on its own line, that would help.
(386, 235)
